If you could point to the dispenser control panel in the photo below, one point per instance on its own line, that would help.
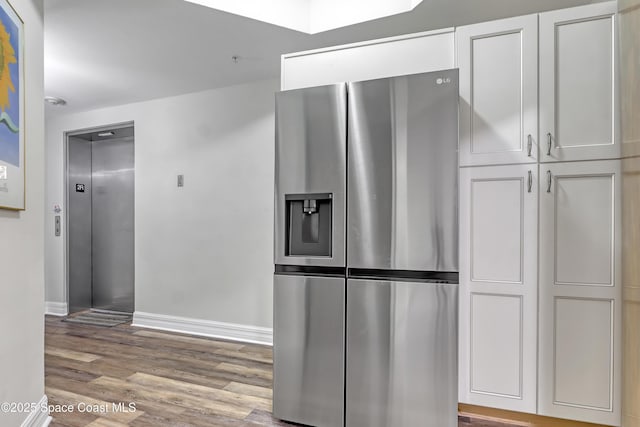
(309, 218)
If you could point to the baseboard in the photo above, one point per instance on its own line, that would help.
(56, 308)
(38, 418)
(207, 328)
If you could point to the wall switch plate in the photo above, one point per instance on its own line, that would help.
(180, 180)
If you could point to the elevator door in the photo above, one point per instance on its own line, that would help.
(79, 220)
(112, 224)
(101, 222)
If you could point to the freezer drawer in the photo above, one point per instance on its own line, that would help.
(401, 354)
(308, 350)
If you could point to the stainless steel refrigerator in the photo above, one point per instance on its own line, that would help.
(366, 253)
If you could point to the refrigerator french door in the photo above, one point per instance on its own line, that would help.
(402, 252)
(309, 280)
(365, 287)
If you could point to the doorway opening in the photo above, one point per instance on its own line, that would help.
(100, 218)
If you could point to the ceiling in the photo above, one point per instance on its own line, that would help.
(312, 16)
(104, 53)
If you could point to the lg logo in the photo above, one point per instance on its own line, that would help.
(443, 80)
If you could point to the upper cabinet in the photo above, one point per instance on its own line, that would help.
(571, 53)
(498, 64)
(578, 101)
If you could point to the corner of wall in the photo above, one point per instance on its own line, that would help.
(40, 416)
(56, 308)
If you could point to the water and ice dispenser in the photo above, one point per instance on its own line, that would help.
(308, 224)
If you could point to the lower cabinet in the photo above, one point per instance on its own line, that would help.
(580, 291)
(540, 292)
(498, 286)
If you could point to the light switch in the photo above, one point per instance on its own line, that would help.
(180, 180)
(57, 226)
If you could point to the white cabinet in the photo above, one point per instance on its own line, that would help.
(498, 64)
(578, 102)
(498, 286)
(580, 297)
(540, 88)
(571, 53)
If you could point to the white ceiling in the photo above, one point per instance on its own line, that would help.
(312, 16)
(102, 53)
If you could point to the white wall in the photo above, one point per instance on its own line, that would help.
(21, 234)
(204, 251)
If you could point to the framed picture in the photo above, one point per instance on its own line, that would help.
(12, 169)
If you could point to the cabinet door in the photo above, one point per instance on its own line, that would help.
(498, 91)
(578, 105)
(579, 373)
(498, 286)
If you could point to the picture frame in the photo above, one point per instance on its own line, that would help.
(12, 129)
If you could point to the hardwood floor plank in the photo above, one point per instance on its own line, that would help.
(266, 419)
(97, 408)
(71, 354)
(72, 374)
(144, 352)
(190, 377)
(105, 422)
(201, 420)
(77, 419)
(119, 394)
(250, 390)
(203, 341)
(100, 367)
(244, 371)
(157, 420)
(226, 396)
(178, 398)
(249, 356)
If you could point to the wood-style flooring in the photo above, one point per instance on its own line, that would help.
(171, 379)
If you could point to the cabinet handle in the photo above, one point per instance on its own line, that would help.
(549, 144)
(548, 181)
(529, 182)
(529, 145)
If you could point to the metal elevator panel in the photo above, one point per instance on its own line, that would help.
(112, 224)
(100, 216)
(79, 223)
